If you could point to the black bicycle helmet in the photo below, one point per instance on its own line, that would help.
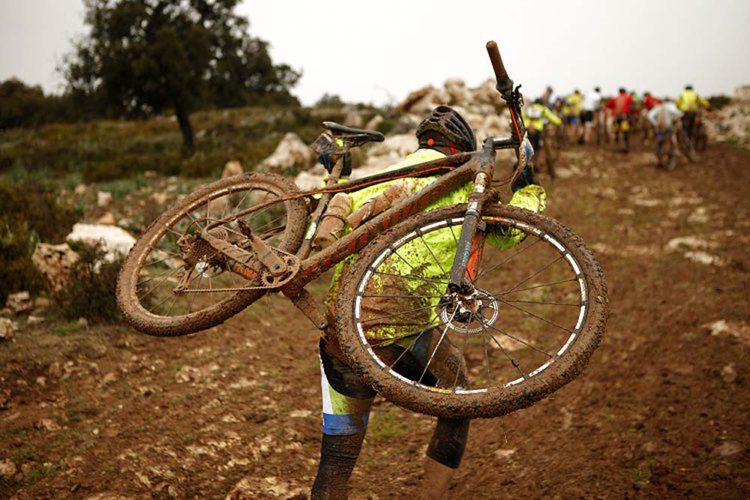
(445, 128)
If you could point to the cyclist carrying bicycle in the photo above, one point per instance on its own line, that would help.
(346, 399)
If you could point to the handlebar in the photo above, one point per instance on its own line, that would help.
(504, 83)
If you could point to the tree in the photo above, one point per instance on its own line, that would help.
(141, 57)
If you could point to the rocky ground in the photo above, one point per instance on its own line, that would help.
(103, 412)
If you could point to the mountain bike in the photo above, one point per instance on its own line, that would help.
(665, 149)
(516, 293)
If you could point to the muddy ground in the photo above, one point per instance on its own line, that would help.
(662, 410)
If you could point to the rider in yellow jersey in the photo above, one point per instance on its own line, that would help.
(572, 112)
(346, 399)
(690, 103)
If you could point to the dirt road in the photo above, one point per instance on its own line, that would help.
(661, 412)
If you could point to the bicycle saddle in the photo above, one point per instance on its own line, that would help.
(356, 136)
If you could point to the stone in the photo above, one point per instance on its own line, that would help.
(107, 219)
(311, 179)
(34, 320)
(704, 258)
(459, 94)
(728, 448)
(49, 425)
(353, 119)
(115, 241)
(737, 329)
(54, 263)
(689, 243)
(374, 122)
(290, 152)
(7, 332)
(232, 168)
(729, 374)
(80, 189)
(7, 469)
(103, 198)
(19, 302)
(505, 453)
(300, 413)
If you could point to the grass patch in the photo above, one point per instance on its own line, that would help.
(63, 329)
(34, 475)
(388, 425)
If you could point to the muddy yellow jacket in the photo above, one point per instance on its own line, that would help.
(442, 244)
(689, 100)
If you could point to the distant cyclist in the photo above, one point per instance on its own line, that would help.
(591, 102)
(549, 97)
(649, 102)
(664, 118)
(690, 103)
(621, 107)
(571, 109)
(536, 118)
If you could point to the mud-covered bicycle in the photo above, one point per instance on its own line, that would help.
(525, 311)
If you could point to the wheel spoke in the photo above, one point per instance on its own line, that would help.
(549, 322)
(411, 276)
(535, 286)
(516, 364)
(414, 269)
(505, 261)
(401, 313)
(538, 272)
(442, 336)
(442, 270)
(519, 340)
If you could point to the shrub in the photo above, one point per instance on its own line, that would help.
(90, 292)
(31, 213)
(17, 272)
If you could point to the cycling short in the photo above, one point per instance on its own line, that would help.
(571, 119)
(347, 400)
(587, 117)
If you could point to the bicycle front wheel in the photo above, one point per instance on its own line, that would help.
(535, 313)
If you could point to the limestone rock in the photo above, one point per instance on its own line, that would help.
(107, 219)
(19, 302)
(115, 241)
(232, 168)
(103, 198)
(291, 151)
(374, 122)
(6, 329)
(7, 469)
(54, 263)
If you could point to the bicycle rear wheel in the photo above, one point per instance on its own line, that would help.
(536, 313)
(171, 253)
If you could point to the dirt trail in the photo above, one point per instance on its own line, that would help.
(661, 411)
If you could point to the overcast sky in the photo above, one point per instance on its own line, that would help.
(376, 51)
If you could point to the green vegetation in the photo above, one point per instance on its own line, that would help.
(90, 292)
(388, 425)
(108, 150)
(31, 212)
(141, 58)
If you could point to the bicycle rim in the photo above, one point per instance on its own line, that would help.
(502, 340)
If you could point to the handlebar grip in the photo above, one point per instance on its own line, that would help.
(504, 83)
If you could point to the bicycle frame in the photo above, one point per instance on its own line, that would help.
(457, 170)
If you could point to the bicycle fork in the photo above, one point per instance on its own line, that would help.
(471, 243)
